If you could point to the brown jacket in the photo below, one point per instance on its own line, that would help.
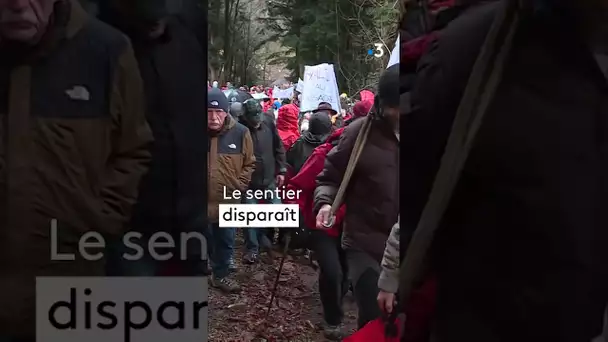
(74, 148)
(372, 197)
(231, 162)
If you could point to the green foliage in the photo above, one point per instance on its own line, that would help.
(309, 32)
(335, 31)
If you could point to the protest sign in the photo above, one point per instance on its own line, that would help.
(279, 93)
(300, 85)
(394, 54)
(320, 85)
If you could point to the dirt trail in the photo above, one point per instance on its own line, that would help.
(296, 314)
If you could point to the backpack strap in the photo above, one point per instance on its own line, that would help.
(350, 168)
(479, 92)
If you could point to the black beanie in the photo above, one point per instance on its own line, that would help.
(216, 99)
(388, 87)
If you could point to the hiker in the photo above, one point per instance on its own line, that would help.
(269, 172)
(388, 282)
(168, 201)
(520, 254)
(373, 193)
(333, 276)
(231, 162)
(287, 125)
(317, 134)
(74, 150)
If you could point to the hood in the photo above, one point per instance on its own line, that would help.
(367, 95)
(315, 139)
(362, 108)
(288, 118)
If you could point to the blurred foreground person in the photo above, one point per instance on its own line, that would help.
(521, 252)
(372, 199)
(231, 162)
(172, 196)
(74, 146)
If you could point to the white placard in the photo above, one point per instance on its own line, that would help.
(394, 54)
(320, 85)
(279, 93)
(300, 85)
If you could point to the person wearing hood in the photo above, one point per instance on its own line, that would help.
(171, 197)
(360, 110)
(269, 172)
(231, 162)
(287, 125)
(317, 133)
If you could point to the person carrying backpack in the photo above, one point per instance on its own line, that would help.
(519, 248)
(372, 193)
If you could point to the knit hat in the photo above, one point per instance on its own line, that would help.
(319, 124)
(217, 100)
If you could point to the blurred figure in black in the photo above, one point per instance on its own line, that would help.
(172, 64)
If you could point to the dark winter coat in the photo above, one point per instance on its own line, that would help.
(74, 147)
(173, 69)
(372, 197)
(521, 254)
(269, 154)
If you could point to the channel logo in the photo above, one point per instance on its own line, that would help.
(121, 309)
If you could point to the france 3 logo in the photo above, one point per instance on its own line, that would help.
(377, 51)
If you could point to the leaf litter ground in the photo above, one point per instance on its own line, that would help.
(296, 313)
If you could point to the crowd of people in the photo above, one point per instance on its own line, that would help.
(309, 153)
(103, 131)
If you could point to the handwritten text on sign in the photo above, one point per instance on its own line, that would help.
(319, 86)
(278, 93)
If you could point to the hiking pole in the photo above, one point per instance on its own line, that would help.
(276, 279)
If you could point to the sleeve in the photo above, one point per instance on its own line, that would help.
(279, 151)
(291, 155)
(328, 181)
(131, 137)
(248, 161)
(389, 276)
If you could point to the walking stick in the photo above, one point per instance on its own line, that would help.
(276, 279)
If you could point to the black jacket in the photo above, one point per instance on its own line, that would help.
(521, 253)
(303, 148)
(173, 69)
(269, 154)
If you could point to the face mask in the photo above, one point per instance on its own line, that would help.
(255, 119)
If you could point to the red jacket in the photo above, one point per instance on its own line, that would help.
(306, 180)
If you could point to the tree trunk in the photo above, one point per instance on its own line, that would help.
(227, 36)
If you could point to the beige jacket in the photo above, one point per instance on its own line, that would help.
(389, 277)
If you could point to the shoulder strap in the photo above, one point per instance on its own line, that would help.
(478, 94)
(350, 168)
